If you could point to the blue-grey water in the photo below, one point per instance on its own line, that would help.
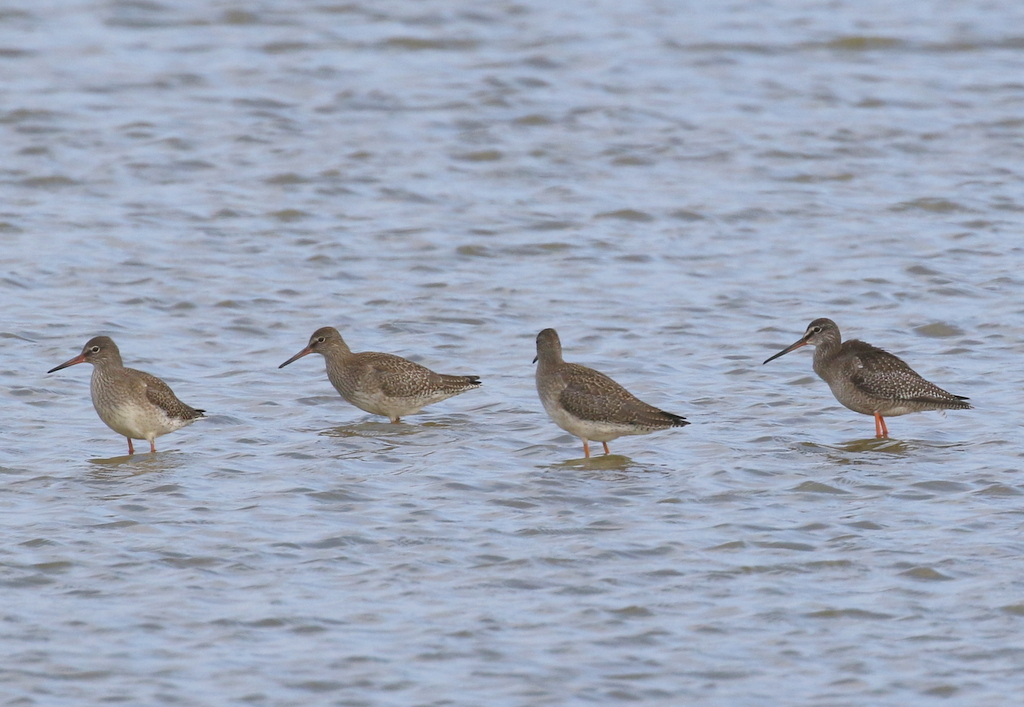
(677, 187)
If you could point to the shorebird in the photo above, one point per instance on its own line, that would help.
(589, 404)
(868, 380)
(381, 383)
(130, 402)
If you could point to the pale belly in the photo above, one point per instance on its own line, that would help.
(139, 422)
(588, 429)
(383, 405)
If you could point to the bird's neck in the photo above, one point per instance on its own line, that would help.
(338, 351)
(109, 362)
(106, 369)
(825, 352)
(549, 359)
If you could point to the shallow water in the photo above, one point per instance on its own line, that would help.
(678, 188)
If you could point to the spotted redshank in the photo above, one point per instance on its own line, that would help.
(869, 380)
(132, 403)
(381, 383)
(589, 404)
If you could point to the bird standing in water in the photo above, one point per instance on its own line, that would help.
(130, 402)
(867, 379)
(381, 383)
(589, 404)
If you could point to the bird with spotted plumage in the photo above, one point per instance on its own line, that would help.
(589, 404)
(381, 383)
(130, 402)
(868, 380)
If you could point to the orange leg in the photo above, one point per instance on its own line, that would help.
(586, 449)
(880, 429)
(152, 447)
(606, 450)
(131, 449)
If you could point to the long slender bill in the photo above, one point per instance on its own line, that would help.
(798, 344)
(80, 358)
(297, 356)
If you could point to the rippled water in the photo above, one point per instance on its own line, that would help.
(678, 188)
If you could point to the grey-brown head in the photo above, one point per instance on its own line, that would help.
(324, 340)
(99, 350)
(549, 348)
(819, 332)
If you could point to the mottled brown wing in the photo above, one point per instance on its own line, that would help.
(161, 395)
(455, 384)
(394, 376)
(401, 378)
(883, 375)
(591, 395)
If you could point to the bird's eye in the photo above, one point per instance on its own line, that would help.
(95, 349)
(815, 329)
(320, 340)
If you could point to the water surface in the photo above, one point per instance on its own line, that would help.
(678, 188)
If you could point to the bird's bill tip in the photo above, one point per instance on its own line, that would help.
(297, 356)
(786, 350)
(80, 358)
